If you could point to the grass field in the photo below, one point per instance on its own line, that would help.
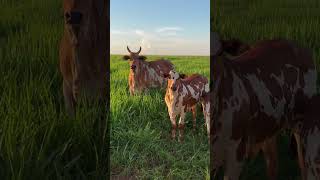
(37, 140)
(250, 21)
(140, 129)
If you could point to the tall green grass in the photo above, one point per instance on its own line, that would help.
(37, 139)
(251, 21)
(140, 129)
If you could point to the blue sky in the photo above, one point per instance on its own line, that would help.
(162, 27)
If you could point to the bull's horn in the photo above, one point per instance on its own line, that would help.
(139, 50)
(128, 49)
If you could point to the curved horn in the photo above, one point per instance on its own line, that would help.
(139, 50)
(128, 49)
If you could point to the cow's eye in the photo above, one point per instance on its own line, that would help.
(67, 15)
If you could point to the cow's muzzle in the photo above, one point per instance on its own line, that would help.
(133, 67)
(173, 88)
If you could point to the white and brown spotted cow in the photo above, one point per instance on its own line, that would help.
(311, 139)
(144, 75)
(182, 94)
(255, 96)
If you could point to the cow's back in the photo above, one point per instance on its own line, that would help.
(277, 78)
(161, 66)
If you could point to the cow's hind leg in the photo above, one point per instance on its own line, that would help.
(270, 152)
(301, 158)
(181, 126)
(68, 99)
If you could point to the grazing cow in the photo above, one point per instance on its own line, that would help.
(311, 139)
(182, 94)
(255, 96)
(84, 52)
(144, 75)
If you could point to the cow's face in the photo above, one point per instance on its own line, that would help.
(135, 60)
(76, 13)
(215, 44)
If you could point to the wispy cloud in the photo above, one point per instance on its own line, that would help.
(166, 29)
(162, 41)
(139, 32)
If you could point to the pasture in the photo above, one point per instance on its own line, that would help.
(140, 129)
(250, 21)
(37, 139)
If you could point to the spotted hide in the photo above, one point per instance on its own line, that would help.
(311, 139)
(255, 96)
(84, 52)
(182, 94)
(144, 75)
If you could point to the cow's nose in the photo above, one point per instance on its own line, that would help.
(133, 67)
(173, 88)
(73, 17)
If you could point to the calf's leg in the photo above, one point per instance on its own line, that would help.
(173, 125)
(181, 126)
(194, 120)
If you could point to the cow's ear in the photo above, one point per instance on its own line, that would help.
(143, 58)
(182, 76)
(126, 57)
(165, 75)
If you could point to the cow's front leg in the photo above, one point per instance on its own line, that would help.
(68, 99)
(181, 126)
(233, 165)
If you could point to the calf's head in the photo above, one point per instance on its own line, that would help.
(76, 17)
(174, 79)
(135, 60)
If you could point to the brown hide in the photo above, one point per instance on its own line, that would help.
(84, 51)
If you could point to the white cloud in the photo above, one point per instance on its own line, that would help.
(164, 43)
(139, 32)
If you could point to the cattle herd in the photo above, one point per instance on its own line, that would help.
(258, 92)
(183, 92)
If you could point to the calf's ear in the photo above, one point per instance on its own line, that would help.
(182, 76)
(143, 58)
(126, 57)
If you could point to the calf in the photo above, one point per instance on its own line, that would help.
(182, 94)
(256, 95)
(144, 75)
(310, 139)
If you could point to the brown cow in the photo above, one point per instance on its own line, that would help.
(182, 94)
(144, 75)
(256, 95)
(311, 139)
(84, 51)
